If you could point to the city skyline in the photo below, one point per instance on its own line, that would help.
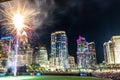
(95, 20)
(60, 38)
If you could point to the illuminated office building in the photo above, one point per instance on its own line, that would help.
(82, 47)
(116, 49)
(42, 57)
(5, 47)
(105, 51)
(3, 54)
(59, 50)
(92, 50)
(25, 51)
(86, 55)
(108, 52)
(71, 61)
(112, 50)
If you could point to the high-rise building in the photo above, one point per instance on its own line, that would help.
(5, 48)
(42, 57)
(92, 50)
(108, 52)
(82, 47)
(116, 48)
(112, 50)
(25, 51)
(71, 61)
(59, 50)
(86, 54)
(105, 51)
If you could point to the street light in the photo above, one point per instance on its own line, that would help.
(18, 21)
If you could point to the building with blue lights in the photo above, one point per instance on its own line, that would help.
(59, 50)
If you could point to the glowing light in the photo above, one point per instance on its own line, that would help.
(18, 21)
(24, 33)
(18, 15)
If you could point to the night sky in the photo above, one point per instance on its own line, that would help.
(96, 20)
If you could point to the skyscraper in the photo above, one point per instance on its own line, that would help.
(116, 48)
(82, 47)
(59, 50)
(86, 55)
(92, 50)
(112, 50)
(25, 51)
(42, 57)
(108, 52)
(71, 61)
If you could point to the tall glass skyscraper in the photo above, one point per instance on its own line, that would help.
(59, 50)
(82, 47)
(92, 50)
(86, 54)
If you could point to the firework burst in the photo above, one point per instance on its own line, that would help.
(17, 13)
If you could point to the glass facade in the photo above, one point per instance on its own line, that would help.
(81, 49)
(86, 55)
(92, 50)
(43, 56)
(59, 49)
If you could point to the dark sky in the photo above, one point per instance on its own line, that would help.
(96, 20)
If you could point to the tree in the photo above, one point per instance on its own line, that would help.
(4, 63)
(33, 66)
